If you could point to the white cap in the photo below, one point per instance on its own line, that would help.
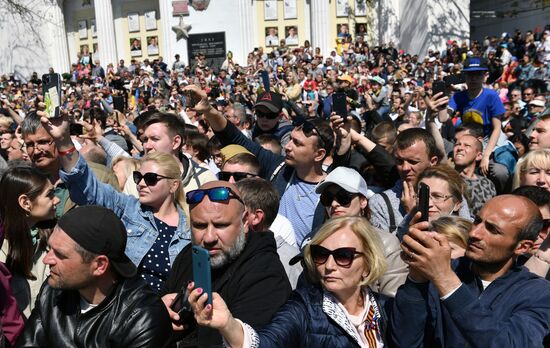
(537, 102)
(348, 179)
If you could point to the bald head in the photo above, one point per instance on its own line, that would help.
(519, 211)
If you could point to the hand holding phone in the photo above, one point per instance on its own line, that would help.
(439, 87)
(339, 105)
(201, 271)
(51, 91)
(423, 201)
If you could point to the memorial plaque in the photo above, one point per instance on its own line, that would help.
(212, 45)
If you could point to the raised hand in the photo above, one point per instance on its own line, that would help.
(198, 97)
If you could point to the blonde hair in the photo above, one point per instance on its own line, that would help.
(455, 228)
(130, 164)
(371, 245)
(6, 121)
(533, 159)
(171, 168)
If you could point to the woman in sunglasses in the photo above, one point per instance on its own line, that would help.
(344, 192)
(155, 222)
(339, 310)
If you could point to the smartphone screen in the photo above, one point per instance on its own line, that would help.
(439, 86)
(423, 201)
(201, 271)
(339, 104)
(51, 91)
(265, 80)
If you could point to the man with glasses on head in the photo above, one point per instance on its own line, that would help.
(295, 175)
(246, 270)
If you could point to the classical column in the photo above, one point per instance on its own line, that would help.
(168, 36)
(105, 32)
(247, 14)
(59, 49)
(319, 25)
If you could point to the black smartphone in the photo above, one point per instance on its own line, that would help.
(339, 105)
(51, 91)
(181, 306)
(455, 79)
(118, 103)
(423, 200)
(265, 80)
(201, 271)
(439, 86)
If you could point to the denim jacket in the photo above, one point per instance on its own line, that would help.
(138, 219)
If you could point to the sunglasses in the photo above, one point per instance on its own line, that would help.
(237, 176)
(150, 178)
(268, 115)
(546, 223)
(342, 256)
(343, 198)
(215, 194)
(309, 129)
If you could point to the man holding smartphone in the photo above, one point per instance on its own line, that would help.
(246, 270)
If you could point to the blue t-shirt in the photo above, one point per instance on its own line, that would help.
(479, 110)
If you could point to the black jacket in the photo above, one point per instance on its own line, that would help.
(254, 286)
(131, 316)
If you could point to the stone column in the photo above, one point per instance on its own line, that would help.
(59, 49)
(105, 32)
(168, 36)
(319, 27)
(247, 27)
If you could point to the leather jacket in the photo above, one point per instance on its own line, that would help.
(132, 315)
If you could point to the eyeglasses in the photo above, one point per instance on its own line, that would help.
(215, 194)
(309, 129)
(268, 115)
(39, 144)
(438, 197)
(545, 223)
(342, 256)
(151, 179)
(343, 198)
(237, 176)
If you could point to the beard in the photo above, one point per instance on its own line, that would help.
(228, 255)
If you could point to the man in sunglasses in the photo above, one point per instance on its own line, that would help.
(268, 110)
(484, 299)
(246, 270)
(295, 175)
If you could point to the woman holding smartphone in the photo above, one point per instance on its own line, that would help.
(155, 222)
(339, 310)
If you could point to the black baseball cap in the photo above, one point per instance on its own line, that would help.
(475, 64)
(99, 230)
(270, 100)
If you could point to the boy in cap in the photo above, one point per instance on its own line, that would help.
(92, 297)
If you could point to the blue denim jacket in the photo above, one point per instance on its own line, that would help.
(138, 219)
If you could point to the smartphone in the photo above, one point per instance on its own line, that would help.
(201, 271)
(118, 103)
(265, 80)
(182, 306)
(454, 79)
(51, 91)
(423, 201)
(339, 104)
(439, 86)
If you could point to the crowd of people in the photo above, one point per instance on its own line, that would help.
(311, 218)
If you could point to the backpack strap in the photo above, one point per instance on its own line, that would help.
(390, 211)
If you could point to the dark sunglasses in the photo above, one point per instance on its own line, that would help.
(309, 129)
(237, 176)
(546, 223)
(150, 178)
(342, 256)
(215, 194)
(343, 198)
(268, 115)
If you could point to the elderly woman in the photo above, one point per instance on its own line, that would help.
(344, 192)
(446, 196)
(533, 169)
(340, 310)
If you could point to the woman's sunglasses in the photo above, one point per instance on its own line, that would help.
(150, 178)
(342, 256)
(237, 176)
(343, 198)
(215, 194)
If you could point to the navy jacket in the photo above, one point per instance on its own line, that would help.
(513, 311)
(308, 319)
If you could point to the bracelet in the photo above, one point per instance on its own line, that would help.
(538, 256)
(64, 153)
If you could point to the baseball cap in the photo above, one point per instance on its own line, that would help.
(345, 77)
(475, 64)
(348, 179)
(537, 102)
(233, 150)
(270, 100)
(99, 230)
(378, 80)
